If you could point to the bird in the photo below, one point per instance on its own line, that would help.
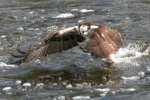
(99, 40)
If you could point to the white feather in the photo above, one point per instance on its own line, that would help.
(93, 26)
(66, 30)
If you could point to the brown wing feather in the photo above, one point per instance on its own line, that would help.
(104, 41)
(113, 34)
(56, 42)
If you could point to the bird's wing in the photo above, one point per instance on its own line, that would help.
(57, 42)
(52, 43)
(113, 34)
(64, 39)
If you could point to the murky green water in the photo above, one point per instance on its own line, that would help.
(73, 74)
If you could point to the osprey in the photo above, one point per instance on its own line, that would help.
(99, 40)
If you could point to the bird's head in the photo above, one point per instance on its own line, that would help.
(86, 27)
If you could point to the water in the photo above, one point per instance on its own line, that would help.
(28, 21)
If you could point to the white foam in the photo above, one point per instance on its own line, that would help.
(69, 86)
(2, 64)
(103, 90)
(126, 55)
(65, 15)
(20, 29)
(103, 94)
(127, 89)
(81, 97)
(42, 10)
(61, 98)
(1, 48)
(3, 36)
(27, 85)
(86, 10)
(37, 61)
(18, 82)
(131, 78)
(31, 12)
(24, 18)
(7, 88)
(148, 68)
(40, 84)
(141, 74)
(75, 9)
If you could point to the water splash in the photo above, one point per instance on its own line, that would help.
(131, 52)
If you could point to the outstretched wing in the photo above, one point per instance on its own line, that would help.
(63, 40)
(54, 42)
(115, 36)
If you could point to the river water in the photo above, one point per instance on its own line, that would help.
(26, 22)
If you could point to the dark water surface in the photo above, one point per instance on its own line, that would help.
(26, 22)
